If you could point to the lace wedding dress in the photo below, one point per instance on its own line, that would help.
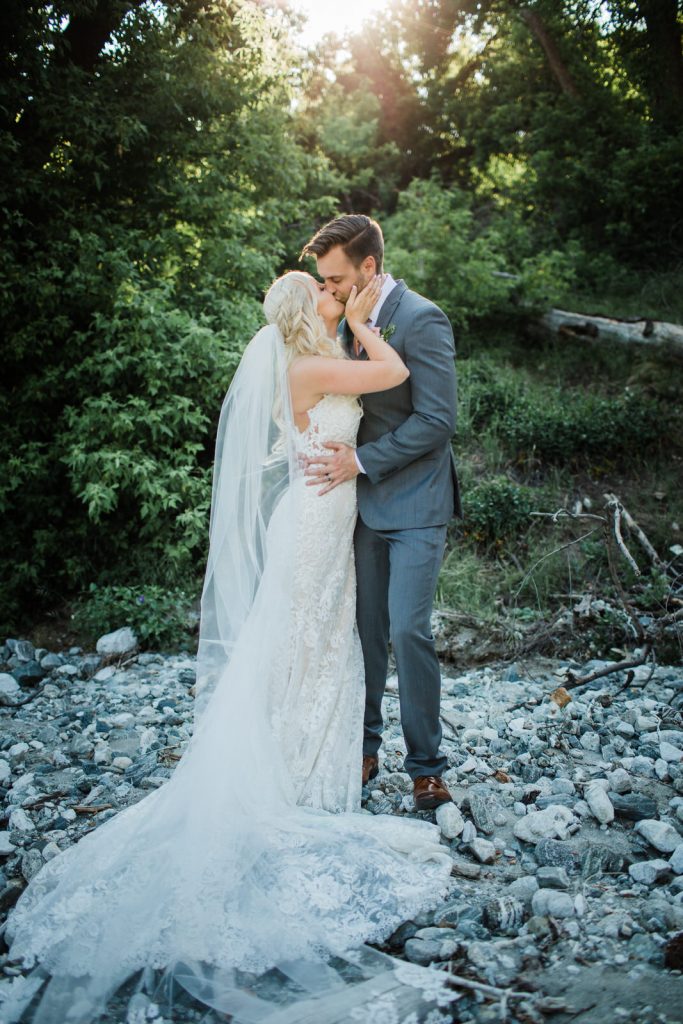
(251, 877)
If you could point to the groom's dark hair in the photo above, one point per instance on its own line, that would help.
(358, 235)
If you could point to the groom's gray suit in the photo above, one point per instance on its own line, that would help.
(406, 497)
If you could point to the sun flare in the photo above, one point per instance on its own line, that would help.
(340, 17)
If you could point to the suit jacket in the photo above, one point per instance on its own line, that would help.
(404, 437)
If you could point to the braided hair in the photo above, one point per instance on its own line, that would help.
(291, 302)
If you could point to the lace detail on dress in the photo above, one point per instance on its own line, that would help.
(318, 700)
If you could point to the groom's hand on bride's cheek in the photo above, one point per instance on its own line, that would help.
(334, 469)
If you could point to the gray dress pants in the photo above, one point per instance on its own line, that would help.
(397, 573)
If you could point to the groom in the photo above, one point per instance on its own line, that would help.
(407, 492)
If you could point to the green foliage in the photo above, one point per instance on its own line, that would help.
(146, 181)
(158, 617)
(576, 427)
(495, 509)
(436, 240)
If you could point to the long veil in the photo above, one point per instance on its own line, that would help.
(217, 883)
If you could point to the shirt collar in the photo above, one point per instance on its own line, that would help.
(387, 287)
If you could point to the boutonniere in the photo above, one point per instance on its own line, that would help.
(386, 332)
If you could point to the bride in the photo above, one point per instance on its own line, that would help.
(252, 877)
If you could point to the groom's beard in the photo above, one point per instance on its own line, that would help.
(360, 283)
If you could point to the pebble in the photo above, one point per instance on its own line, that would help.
(450, 820)
(530, 831)
(483, 850)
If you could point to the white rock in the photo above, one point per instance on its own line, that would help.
(659, 834)
(122, 719)
(5, 772)
(122, 762)
(668, 752)
(6, 845)
(647, 872)
(9, 688)
(18, 818)
(550, 823)
(483, 850)
(449, 820)
(50, 850)
(590, 741)
(469, 832)
(105, 673)
(599, 803)
(121, 641)
(676, 859)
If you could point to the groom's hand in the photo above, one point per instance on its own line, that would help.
(332, 470)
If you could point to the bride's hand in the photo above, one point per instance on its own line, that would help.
(359, 305)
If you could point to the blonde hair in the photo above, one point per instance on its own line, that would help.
(291, 303)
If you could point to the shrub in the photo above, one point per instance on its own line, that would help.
(496, 509)
(159, 617)
(581, 428)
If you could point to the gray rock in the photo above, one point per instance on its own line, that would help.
(523, 888)
(659, 834)
(480, 809)
(598, 858)
(51, 661)
(465, 869)
(558, 853)
(552, 903)
(29, 673)
(668, 752)
(31, 863)
(552, 877)
(647, 872)
(620, 781)
(632, 806)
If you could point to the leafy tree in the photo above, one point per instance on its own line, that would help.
(146, 173)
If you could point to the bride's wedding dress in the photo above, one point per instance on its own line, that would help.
(252, 877)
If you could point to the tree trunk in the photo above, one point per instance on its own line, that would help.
(557, 64)
(666, 60)
(662, 338)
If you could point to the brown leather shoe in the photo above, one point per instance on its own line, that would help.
(429, 791)
(370, 768)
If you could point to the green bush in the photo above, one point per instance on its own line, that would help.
(496, 509)
(159, 617)
(579, 428)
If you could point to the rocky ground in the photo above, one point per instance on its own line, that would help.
(566, 829)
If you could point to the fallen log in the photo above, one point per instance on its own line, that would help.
(660, 337)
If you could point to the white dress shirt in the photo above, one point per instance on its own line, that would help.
(388, 285)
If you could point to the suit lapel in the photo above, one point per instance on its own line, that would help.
(390, 303)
